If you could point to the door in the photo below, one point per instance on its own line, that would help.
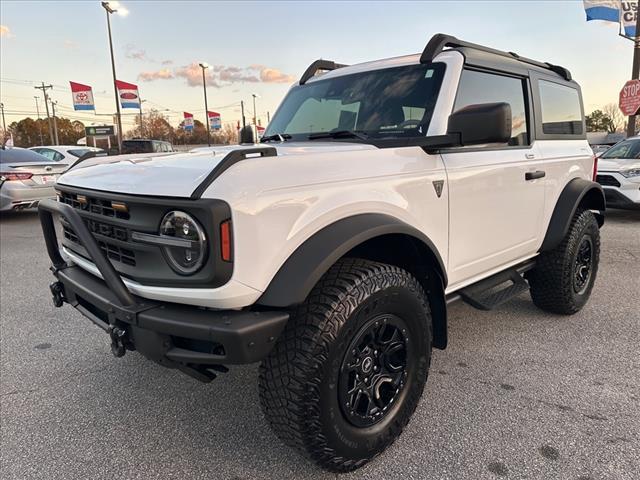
(496, 192)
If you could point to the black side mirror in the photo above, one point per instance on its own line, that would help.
(483, 123)
(246, 134)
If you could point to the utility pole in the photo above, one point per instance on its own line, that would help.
(244, 122)
(39, 126)
(44, 89)
(55, 121)
(268, 118)
(204, 66)
(109, 11)
(635, 72)
(4, 125)
(141, 129)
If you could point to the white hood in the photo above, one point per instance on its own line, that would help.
(617, 164)
(176, 175)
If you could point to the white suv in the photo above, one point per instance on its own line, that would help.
(380, 193)
(619, 174)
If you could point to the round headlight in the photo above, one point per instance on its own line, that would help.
(184, 259)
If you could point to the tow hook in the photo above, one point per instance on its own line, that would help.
(57, 290)
(118, 336)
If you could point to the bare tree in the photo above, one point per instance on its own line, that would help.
(612, 111)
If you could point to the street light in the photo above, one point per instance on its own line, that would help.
(255, 118)
(204, 66)
(115, 7)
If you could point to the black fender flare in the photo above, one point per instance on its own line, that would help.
(577, 193)
(302, 270)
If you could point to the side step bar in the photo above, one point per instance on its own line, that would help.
(493, 291)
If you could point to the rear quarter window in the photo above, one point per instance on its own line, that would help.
(560, 109)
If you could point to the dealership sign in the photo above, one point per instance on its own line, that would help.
(128, 94)
(82, 96)
(103, 130)
(630, 97)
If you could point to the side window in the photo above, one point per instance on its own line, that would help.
(561, 112)
(480, 87)
(47, 152)
(57, 156)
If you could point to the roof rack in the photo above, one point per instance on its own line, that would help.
(326, 65)
(440, 41)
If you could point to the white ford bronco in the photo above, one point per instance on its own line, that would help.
(379, 193)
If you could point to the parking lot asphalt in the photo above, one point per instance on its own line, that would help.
(518, 394)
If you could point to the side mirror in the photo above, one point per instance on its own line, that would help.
(481, 124)
(246, 135)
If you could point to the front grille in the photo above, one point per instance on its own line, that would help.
(607, 180)
(113, 252)
(93, 205)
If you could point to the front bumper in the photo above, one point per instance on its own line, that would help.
(618, 198)
(189, 338)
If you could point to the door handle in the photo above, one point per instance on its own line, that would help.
(529, 156)
(534, 175)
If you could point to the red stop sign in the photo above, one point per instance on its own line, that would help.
(630, 97)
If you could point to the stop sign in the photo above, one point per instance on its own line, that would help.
(630, 97)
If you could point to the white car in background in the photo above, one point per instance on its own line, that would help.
(66, 154)
(619, 174)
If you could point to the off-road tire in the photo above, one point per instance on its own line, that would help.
(299, 381)
(552, 279)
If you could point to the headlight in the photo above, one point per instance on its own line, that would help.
(185, 260)
(632, 172)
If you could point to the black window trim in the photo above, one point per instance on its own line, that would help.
(528, 101)
(537, 105)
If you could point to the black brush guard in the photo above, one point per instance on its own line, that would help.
(192, 339)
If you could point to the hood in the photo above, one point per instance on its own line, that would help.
(617, 164)
(177, 175)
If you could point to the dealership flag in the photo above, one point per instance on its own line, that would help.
(608, 10)
(214, 120)
(628, 12)
(188, 121)
(82, 96)
(128, 93)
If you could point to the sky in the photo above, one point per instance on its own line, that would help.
(263, 47)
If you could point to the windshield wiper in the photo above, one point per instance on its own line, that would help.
(338, 134)
(280, 137)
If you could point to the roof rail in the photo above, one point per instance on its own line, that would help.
(326, 65)
(440, 41)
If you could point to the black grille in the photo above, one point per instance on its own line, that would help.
(114, 252)
(93, 205)
(607, 180)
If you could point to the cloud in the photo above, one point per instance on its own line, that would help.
(218, 76)
(192, 73)
(272, 75)
(134, 53)
(164, 74)
(70, 45)
(6, 32)
(167, 62)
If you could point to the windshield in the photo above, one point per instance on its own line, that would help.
(81, 151)
(392, 102)
(625, 149)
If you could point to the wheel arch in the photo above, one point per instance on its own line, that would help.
(376, 237)
(578, 193)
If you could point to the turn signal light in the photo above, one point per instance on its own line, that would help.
(9, 176)
(225, 240)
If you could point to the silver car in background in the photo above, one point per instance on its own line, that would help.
(26, 177)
